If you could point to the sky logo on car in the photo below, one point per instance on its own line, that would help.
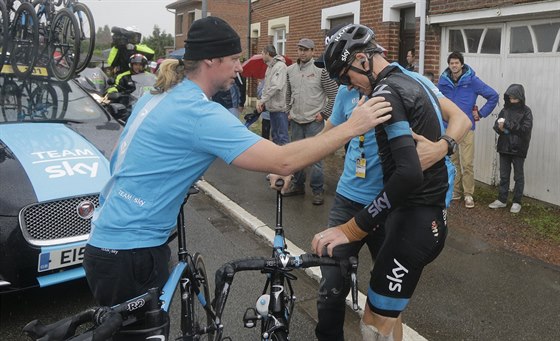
(58, 161)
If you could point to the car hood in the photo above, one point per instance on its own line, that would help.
(47, 161)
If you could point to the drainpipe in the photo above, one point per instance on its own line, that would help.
(249, 30)
(204, 8)
(422, 10)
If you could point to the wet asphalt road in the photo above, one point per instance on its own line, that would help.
(473, 291)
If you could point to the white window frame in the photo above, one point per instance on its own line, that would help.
(279, 37)
(344, 10)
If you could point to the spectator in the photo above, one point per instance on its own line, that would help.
(460, 84)
(410, 56)
(265, 115)
(234, 98)
(311, 93)
(273, 97)
(430, 75)
(513, 126)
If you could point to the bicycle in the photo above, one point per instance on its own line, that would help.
(23, 41)
(274, 309)
(146, 317)
(86, 27)
(199, 318)
(59, 38)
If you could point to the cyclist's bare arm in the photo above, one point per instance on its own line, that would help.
(265, 156)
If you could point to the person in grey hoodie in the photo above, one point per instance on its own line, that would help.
(273, 98)
(513, 125)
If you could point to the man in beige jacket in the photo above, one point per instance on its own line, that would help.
(273, 98)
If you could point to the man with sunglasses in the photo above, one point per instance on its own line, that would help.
(409, 201)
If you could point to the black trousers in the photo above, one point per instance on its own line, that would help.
(115, 276)
(506, 161)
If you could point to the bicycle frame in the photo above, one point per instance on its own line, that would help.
(275, 315)
(188, 285)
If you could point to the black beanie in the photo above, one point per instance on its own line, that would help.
(211, 37)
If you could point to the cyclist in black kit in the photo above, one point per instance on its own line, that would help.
(412, 204)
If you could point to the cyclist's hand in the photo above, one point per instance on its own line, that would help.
(272, 178)
(328, 239)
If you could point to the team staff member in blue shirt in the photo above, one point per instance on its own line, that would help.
(170, 140)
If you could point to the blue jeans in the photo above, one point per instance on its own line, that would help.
(300, 132)
(334, 286)
(279, 127)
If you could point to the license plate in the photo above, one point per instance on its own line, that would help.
(62, 258)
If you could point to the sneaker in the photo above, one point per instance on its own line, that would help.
(497, 204)
(318, 199)
(515, 208)
(469, 201)
(456, 196)
(294, 190)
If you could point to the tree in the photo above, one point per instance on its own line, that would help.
(158, 41)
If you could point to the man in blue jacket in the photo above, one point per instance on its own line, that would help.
(460, 84)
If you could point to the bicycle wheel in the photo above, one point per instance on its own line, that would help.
(10, 101)
(25, 40)
(64, 45)
(87, 34)
(43, 102)
(4, 27)
(200, 318)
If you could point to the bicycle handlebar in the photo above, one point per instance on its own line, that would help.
(108, 322)
(283, 262)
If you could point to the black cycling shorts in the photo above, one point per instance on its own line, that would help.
(414, 236)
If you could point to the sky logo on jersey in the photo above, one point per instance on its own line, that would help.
(58, 161)
(378, 205)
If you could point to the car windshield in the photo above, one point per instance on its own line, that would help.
(46, 100)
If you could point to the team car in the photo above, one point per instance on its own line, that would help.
(55, 142)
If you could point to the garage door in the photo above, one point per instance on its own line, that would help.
(528, 53)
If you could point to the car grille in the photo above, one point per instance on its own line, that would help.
(56, 222)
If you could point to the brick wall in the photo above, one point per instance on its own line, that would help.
(235, 12)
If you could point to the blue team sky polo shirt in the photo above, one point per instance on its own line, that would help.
(161, 152)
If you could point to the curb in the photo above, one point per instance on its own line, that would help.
(263, 230)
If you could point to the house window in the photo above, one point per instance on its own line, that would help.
(473, 39)
(334, 22)
(469, 40)
(191, 19)
(279, 40)
(456, 42)
(545, 35)
(521, 41)
(179, 24)
(492, 41)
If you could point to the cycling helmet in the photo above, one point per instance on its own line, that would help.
(138, 58)
(339, 51)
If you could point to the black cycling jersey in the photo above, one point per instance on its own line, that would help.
(414, 107)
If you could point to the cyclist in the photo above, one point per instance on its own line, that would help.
(357, 187)
(411, 203)
(171, 138)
